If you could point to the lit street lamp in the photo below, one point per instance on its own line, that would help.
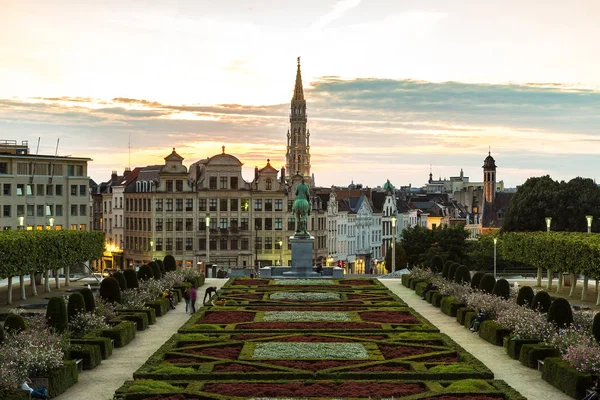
(495, 241)
(281, 253)
(589, 222)
(21, 220)
(151, 250)
(51, 222)
(393, 243)
(207, 220)
(548, 222)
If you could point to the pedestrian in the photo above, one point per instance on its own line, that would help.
(35, 394)
(186, 297)
(193, 295)
(169, 296)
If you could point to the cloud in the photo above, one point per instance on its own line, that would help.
(337, 11)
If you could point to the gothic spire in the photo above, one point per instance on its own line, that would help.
(298, 91)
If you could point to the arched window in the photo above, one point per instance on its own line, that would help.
(269, 184)
(138, 185)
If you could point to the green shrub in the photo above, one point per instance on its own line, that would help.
(564, 377)
(501, 288)
(525, 296)
(514, 345)
(131, 278)
(122, 333)
(436, 300)
(56, 314)
(487, 283)
(140, 318)
(462, 275)
(121, 279)
(76, 304)
(470, 385)
(492, 332)
(541, 302)
(145, 272)
(90, 353)
(446, 269)
(103, 343)
(429, 295)
(15, 323)
(110, 290)
(469, 317)
(169, 263)
(161, 266)
(452, 270)
(450, 306)
(60, 379)
(461, 314)
(596, 327)
(531, 353)
(476, 279)
(560, 313)
(414, 282)
(436, 264)
(161, 306)
(88, 298)
(155, 270)
(419, 287)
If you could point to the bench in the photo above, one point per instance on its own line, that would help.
(540, 365)
(79, 363)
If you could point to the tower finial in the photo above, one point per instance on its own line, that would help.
(298, 61)
(489, 150)
(298, 90)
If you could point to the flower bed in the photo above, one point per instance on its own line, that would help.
(228, 317)
(389, 317)
(305, 316)
(268, 351)
(309, 325)
(306, 296)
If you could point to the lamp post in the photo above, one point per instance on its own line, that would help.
(151, 250)
(550, 273)
(281, 253)
(51, 222)
(21, 220)
(589, 219)
(548, 222)
(393, 243)
(495, 241)
(207, 220)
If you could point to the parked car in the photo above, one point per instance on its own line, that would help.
(106, 272)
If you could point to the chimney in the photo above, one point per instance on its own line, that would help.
(127, 171)
(113, 175)
(256, 174)
(282, 174)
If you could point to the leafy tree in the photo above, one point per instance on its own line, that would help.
(400, 258)
(422, 244)
(415, 242)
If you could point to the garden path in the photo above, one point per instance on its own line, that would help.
(102, 382)
(525, 380)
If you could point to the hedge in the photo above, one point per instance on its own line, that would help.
(562, 376)
(436, 301)
(450, 306)
(420, 287)
(469, 317)
(429, 295)
(103, 343)
(514, 345)
(461, 314)
(122, 333)
(492, 332)
(160, 306)
(150, 312)
(140, 318)
(405, 279)
(90, 353)
(531, 353)
(60, 379)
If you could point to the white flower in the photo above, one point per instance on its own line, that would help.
(303, 282)
(306, 296)
(296, 350)
(306, 316)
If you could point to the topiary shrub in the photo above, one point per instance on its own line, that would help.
(560, 313)
(525, 296)
(145, 273)
(436, 264)
(476, 279)
(487, 283)
(88, 299)
(541, 302)
(131, 278)
(446, 268)
(462, 274)
(452, 270)
(56, 314)
(161, 265)
(14, 323)
(155, 269)
(596, 327)
(169, 262)
(110, 290)
(121, 279)
(76, 304)
(502, 288)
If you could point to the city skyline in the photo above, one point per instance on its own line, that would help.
(437, 94)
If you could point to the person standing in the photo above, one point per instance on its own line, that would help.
(193, 295)
(186, 297)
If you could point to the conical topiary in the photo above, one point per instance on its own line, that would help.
(541, 302)
(88, 298)
(452, 270)
(121, 279)
(145, 273)
(436, 264)
(596, 327)
(110, 290)
(476, 279)
(14, 323)
(56, 314)
(502, 288)
(487, 283)
(131, 278)
(155, 269)
(161, 266)
(462, 274)
(169, 263)
(446, 269)
(560, 313)
(525, 296)
(76, 304)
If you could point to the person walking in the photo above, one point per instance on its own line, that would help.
(186, 297)
(193, 295)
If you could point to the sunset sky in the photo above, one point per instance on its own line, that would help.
(393, 86)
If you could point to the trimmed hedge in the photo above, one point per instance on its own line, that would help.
(531, 353)
(452, 270)
(131, 278)
(513, 346)
(541, 302)
(469, 317)
(14, 322)
(405, 278)
(476, 279)
(145, 273)
(56, 314)
(88, 299)
(60, 379)
(487, 283)
(560, 313)
(502, 288)
(140, 318)
(525, 296)
(420, 287)
(492, 332)
(429, 295)
(596, 327)
(122, 333)
(450, 306)
(110, 290)
(90, 353)
(567, 379)
(461, 314)
(103, 343)
(121, 279)
(161, 306)
(76, 304)
(149, 312)
(436, 300)
(155, 270)
(462, 275)
(414, 282)
(169, 263)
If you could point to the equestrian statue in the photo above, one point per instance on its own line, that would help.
(301, 209)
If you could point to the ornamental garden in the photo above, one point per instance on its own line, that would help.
(305, 338)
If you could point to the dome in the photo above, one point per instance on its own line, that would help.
(489, 162)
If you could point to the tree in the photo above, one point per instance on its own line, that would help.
(415, 242)
(400, 258)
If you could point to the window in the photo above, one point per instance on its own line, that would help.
(244, 244)
(212, 205)
(291, 224)
(158, 205)
(22, 169)
(213, 224)
(212, 182)
(277, 245)
(178, 204)
(159, 244)
(268, 205)
(223, 205)
(234, 244)
(268, 224)
(30, 210)
(40, 189)
(258, 243)
(290, 205)
(234, 224)
(82, 190)
(213, 244)
(245, 203)
(269, 184)
(59, 210)
(258, 224)
(6, 211)
(268, 243)
(20, 210)
(234, 204)
(244, 224)
(201, 224)
(59, 191)
(223, 244)
(82, 227)
(70, 170)
(73, 190)
(223, 223)
(169, 187)
(278, 205)
(189, 244)
(258, 205)
(142, 206)
(79, 170)
(73, 211)
(233, 182)
(6, 191)
(201, 244)
(223, 182)
(169, 225)
(169, 245)
(179, 244)
(169, 204)
(189, 224)
(82, 209)
(158, 225)
(179, 185)
(73, 227)
(278, 224)
(201, 204)
(49, 190)
(3, 168)
(189, 204)
(179, 224)
(20, 189)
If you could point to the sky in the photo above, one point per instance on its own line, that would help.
(394, 88)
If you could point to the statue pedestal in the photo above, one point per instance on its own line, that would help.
(302, 256)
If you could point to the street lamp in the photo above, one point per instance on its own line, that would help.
(495, 241)
(151, 250)
(21, 220)
(589, 222)
(548, 222)
(207, 220)
(393, 243)
(51, 222)
(281, 253)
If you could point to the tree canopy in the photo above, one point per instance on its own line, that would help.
(421, 244)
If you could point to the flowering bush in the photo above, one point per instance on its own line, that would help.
(460, 291)
(584, 358)
(422, 273)
(85, 322)
(525, 322)
(104, 309)
(486, 302)
(571, 337)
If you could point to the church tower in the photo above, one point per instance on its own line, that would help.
(489, 178)
(297, 157)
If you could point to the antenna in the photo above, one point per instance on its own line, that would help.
(51, 164)
(129, 152)
(33, 164)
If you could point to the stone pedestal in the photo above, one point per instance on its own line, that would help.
(302, 256)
